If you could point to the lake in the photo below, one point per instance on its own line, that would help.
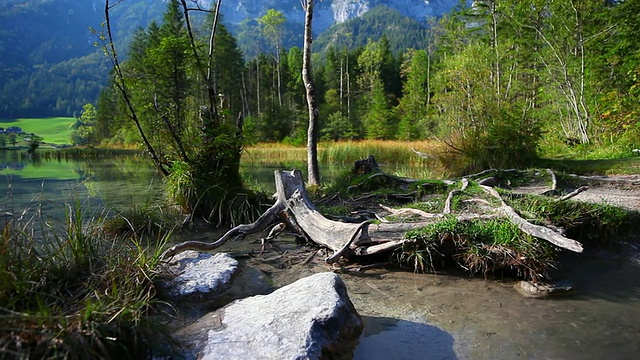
(48, 185)
(407, 316)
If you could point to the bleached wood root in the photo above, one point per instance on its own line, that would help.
(573, 193)
(294, 206)
(408, 212)
(538, 231)
(447, 202)
(236, 233)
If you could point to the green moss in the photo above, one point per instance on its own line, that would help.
(477, 246)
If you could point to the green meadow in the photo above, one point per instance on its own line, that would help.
(53, 130)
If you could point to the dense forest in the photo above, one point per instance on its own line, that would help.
(51, 66)
(494, 82)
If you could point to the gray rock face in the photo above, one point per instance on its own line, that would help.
(330, 12)
(200, 273)
(208, 281)
(312, 318)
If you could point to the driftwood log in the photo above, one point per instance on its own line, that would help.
(293, 206)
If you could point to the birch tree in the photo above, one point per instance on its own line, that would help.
(313, 130)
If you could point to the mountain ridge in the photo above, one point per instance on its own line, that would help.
(37, 35)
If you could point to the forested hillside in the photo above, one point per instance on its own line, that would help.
(402, 32)
(50, 66)
(495, 83)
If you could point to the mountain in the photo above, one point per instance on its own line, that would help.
(49, 62)
(401, 31)
(330, 12)
(51, 66)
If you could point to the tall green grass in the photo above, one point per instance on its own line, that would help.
(69, 290)
(493, 246)
(442, 160)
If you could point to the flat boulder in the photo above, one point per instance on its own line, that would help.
(210, 281)
(311, 318)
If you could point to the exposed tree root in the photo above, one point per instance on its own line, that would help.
(447, 203)
(294, 207)
(238, 232)
(538, 231)
(573, 193)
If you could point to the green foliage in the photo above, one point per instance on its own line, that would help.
(498, 79)
(380, 21)
(82, 132)
(414, 104)
(181, 102)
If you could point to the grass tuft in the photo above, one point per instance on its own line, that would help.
(74, 291)
(484, 247)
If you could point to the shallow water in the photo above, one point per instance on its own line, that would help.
(452, 316)
(49, 185)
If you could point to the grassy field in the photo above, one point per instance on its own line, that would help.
(54, 130)
(400, 155)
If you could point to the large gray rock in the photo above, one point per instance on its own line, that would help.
(312, 318)
(210, 281)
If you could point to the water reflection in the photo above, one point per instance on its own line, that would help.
(48, 184)
(387, 338)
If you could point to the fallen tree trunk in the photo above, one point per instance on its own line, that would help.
(295, 207)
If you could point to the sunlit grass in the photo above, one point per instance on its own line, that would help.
(393, 156)
(55, 130)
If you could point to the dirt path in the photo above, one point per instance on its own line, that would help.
(622, 191)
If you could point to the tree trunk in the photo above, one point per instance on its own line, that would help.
(312, 132)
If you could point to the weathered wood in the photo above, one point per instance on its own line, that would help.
(447, 202)
(366, 166)
(294, 207)
(538, 231)
(238, 232)
(554, 180)
(421, 154)
(408, 211)
(573, 193)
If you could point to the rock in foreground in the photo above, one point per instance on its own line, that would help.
(312, 318)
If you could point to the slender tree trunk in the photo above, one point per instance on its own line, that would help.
(122, 87)
(312, 132)
(211, 92)
(279, 74)
(494, 30)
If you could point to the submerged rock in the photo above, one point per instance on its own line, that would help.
(210, 281)
(311, 318)
(539, 290)
(200, 273)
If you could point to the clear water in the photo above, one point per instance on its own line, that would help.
(28, 186)
(452, 316)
